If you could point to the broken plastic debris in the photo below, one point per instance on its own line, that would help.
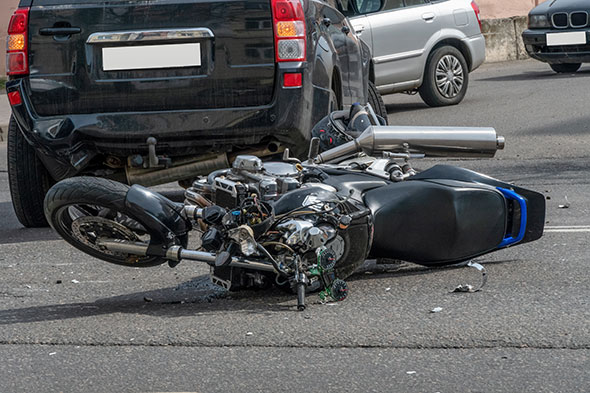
(566, 205)
(464, 288)
(387, 289)
(468, 288)
(147, 299)
(74, 281)
(52, 353)
(249, 334)
(28, 286)
(410, 372)
(436, 309)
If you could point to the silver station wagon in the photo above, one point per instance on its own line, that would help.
(428, 46)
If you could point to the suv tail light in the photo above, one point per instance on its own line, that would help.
(17, 51)
(477, 12)
(289, 30)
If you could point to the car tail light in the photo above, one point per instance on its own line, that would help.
(289, 30)
(292, 79)
(17, 51)
(15, 98)
(477, 12)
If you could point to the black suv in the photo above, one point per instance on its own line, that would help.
(559, 34)
(162, 91)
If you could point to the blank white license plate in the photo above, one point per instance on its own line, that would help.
(569, 38)
(151, 57)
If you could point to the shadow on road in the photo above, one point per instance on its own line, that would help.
(397, 108)
(13, 232)
(576, 126)
(535, 76)
(188, 299)
(197, 296)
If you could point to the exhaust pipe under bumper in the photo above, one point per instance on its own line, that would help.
(191, 169)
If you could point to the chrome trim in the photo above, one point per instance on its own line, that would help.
(398, 56)
(578, 26)
(149, 35)
(430, 141)
(560, 27)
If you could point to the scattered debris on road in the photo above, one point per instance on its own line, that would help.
(74, 281)
(436, 309)
(468, 288)
(566, 205)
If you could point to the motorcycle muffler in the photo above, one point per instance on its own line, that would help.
(466, 142)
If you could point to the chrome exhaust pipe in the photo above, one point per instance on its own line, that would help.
(431, 141)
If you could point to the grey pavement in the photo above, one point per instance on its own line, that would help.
(5, 112)
(70, 323)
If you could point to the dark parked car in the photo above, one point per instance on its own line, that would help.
(153, 92)
(559, 33)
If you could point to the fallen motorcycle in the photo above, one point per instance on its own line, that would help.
(309, 225)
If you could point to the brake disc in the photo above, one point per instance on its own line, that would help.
(89, 229)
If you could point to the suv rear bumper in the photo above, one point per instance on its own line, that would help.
(67, 144)
(535, 42)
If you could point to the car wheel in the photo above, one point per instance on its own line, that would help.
(376, 102)
(568, 68)
(446, 77)
(28, 179)
(334, 104)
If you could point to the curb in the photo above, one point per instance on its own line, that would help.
(3, 130)
(503, 38)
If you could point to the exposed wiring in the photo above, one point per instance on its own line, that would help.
(275, 264)
(279, 244)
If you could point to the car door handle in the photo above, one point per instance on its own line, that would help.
(60, 31)
(358, 28)
(327, 22)
(428, 16)
(345, 29)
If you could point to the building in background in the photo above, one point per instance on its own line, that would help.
(495, 9)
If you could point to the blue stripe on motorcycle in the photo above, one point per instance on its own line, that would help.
(511, 195)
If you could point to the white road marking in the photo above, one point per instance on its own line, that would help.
(567, 228)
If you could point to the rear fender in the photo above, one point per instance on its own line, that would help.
(163, 219)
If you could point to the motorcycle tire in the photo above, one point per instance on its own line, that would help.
(85, 209)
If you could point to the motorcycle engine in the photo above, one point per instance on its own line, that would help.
(249, 175)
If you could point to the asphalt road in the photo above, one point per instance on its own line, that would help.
(69, 323)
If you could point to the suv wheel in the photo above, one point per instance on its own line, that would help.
(29, 180)
(376, 102)
(568, 68)
(446, 77)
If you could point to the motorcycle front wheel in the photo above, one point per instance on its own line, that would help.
(84, 210)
